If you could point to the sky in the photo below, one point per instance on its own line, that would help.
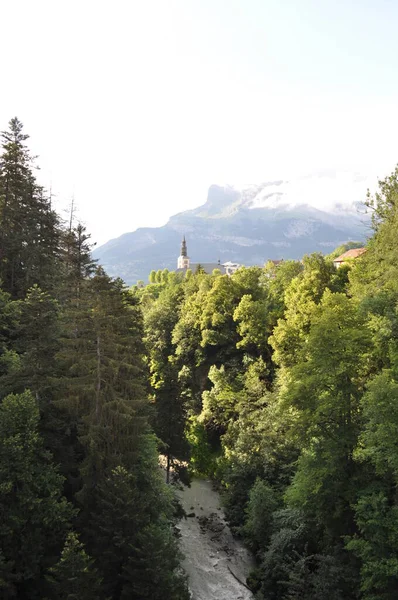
(135, 107)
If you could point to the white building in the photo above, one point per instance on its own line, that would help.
(184, 263)
(230, 267)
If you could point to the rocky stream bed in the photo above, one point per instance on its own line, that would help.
(216, 563)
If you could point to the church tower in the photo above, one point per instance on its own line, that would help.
(183, 259)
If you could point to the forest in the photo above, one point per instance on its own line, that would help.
(84, 509)
(280, 383)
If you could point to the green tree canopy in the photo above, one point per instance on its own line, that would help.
(34, 515)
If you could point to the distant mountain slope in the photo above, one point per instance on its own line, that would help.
(247, 224)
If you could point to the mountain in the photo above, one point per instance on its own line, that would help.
(248, 224)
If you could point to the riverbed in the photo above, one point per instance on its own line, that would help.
(216, 563)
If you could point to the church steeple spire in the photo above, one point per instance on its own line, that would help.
(183, 259)
(184, 247)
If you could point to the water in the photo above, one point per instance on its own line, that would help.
(217, 564)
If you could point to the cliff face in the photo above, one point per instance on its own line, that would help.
(247, 224)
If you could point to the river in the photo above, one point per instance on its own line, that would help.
(216, 563)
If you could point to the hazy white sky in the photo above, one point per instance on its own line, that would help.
(137, 106)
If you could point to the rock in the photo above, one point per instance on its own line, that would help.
(177, 531)
(192, 514)
(203, 521)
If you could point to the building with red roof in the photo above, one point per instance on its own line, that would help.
(348, 256)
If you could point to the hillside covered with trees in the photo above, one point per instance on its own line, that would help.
(280, 383)
(284, 382)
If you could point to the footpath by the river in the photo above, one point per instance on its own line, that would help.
(216, 563)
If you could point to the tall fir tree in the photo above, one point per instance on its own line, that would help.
(29, 228)
(74, 576)
(33, 514)
(102, 381)
(134, 546)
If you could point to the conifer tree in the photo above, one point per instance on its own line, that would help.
(74, 576)
(29, 229)
(103, 378)
(34, 515)
(77, 263)
(9, 323)
(133, 544)
(117, 397)
(37, 344)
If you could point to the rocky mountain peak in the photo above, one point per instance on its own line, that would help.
(249, 224)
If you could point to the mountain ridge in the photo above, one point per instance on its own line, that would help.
(248, 225)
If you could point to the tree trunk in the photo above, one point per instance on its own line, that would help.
(98, 390)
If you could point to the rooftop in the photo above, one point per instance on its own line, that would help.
(353, 253)
(206, 267)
